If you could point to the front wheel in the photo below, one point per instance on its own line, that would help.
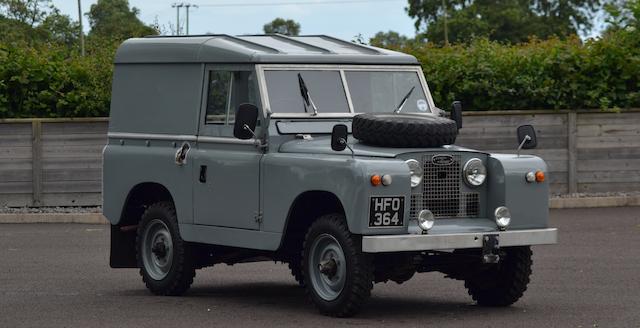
(337, 276)
(165, 260)
(504, 283)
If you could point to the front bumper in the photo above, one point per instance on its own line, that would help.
(404, 243)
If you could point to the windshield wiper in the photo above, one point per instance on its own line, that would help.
(404, 100)
(306, 97)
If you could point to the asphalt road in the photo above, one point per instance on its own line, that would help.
(58, 276)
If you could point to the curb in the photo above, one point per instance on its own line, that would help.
(86, 218)
(590, 202)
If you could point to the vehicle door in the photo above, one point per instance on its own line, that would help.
(226, 169)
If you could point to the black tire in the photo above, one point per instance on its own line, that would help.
(358, 268)
(404, 130)
(296, 270)
(181, 270)
(506, 282)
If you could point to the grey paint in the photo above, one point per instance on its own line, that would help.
(527, 202)
(255, 49)
(156, 98)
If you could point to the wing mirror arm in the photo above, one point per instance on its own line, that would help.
(524, 140)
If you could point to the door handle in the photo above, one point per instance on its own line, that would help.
(203, 173)
(181, 154)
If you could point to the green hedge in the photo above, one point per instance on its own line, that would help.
(53, 81)
(552, 74)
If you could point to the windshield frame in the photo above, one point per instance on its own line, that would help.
(262, 84)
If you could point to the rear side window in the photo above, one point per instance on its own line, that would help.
(227, 90)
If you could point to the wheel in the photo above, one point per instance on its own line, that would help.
(503, 283)
(165, 260)
(404, 130)
(338, 277)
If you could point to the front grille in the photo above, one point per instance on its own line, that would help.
(442, 193)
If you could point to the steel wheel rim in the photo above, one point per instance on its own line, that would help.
(157, 249)
(327, 250)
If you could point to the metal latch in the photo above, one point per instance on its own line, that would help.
(490, 248)
(258, 216)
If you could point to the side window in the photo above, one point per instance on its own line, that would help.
(227, 90)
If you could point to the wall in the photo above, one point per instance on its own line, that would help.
(587, 152)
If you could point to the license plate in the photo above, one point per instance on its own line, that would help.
(386, 212)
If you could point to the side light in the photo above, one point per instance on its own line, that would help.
(530, 177)
(386, 180)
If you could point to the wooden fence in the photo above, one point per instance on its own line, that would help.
(57, 162)
(51, 162)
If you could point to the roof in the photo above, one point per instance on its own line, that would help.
(271, 48)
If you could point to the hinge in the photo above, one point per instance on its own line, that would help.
(258, 217)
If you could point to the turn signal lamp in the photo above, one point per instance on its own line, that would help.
(539, 176)
(376, 180)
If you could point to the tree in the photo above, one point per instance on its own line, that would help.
(60, 28)
(114, 19)
(29, 12)
(282, 26)
(391, 40)
(36, 21)
(622, 15)
(502, 20)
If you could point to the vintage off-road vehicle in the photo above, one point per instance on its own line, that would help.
(320, 153)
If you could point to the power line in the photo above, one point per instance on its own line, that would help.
(289, 3)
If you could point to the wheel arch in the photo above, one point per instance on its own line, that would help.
(123, 233)
(305, 209)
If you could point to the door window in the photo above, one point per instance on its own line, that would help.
(227, 90)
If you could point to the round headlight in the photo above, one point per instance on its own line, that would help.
(503, 217)
(474, 172)
(415, 171)
(425, 220)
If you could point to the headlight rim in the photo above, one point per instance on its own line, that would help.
(500, 219)
(412, 172)
(466, 176)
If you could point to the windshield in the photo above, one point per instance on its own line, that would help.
(325, 87)
(384, 91)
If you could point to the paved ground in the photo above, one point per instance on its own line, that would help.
(58, 276)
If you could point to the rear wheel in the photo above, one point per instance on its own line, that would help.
(165, 260)
(337, 276)
(504, 283)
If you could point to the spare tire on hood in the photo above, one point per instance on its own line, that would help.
(404, 130)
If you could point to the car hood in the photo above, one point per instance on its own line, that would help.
(322, 145)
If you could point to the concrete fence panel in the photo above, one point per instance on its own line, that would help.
(58, 162)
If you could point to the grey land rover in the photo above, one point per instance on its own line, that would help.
(320, 153)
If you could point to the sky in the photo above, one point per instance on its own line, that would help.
(342, 20)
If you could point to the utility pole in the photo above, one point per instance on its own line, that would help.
(81, 31)
(187, 6)
(446, 34)
(178, 6)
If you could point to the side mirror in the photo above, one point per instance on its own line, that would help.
(246, 120)
(456, 113)
(339, 137)
(527, 137)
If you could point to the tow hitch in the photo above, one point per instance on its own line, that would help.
(490, 249)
